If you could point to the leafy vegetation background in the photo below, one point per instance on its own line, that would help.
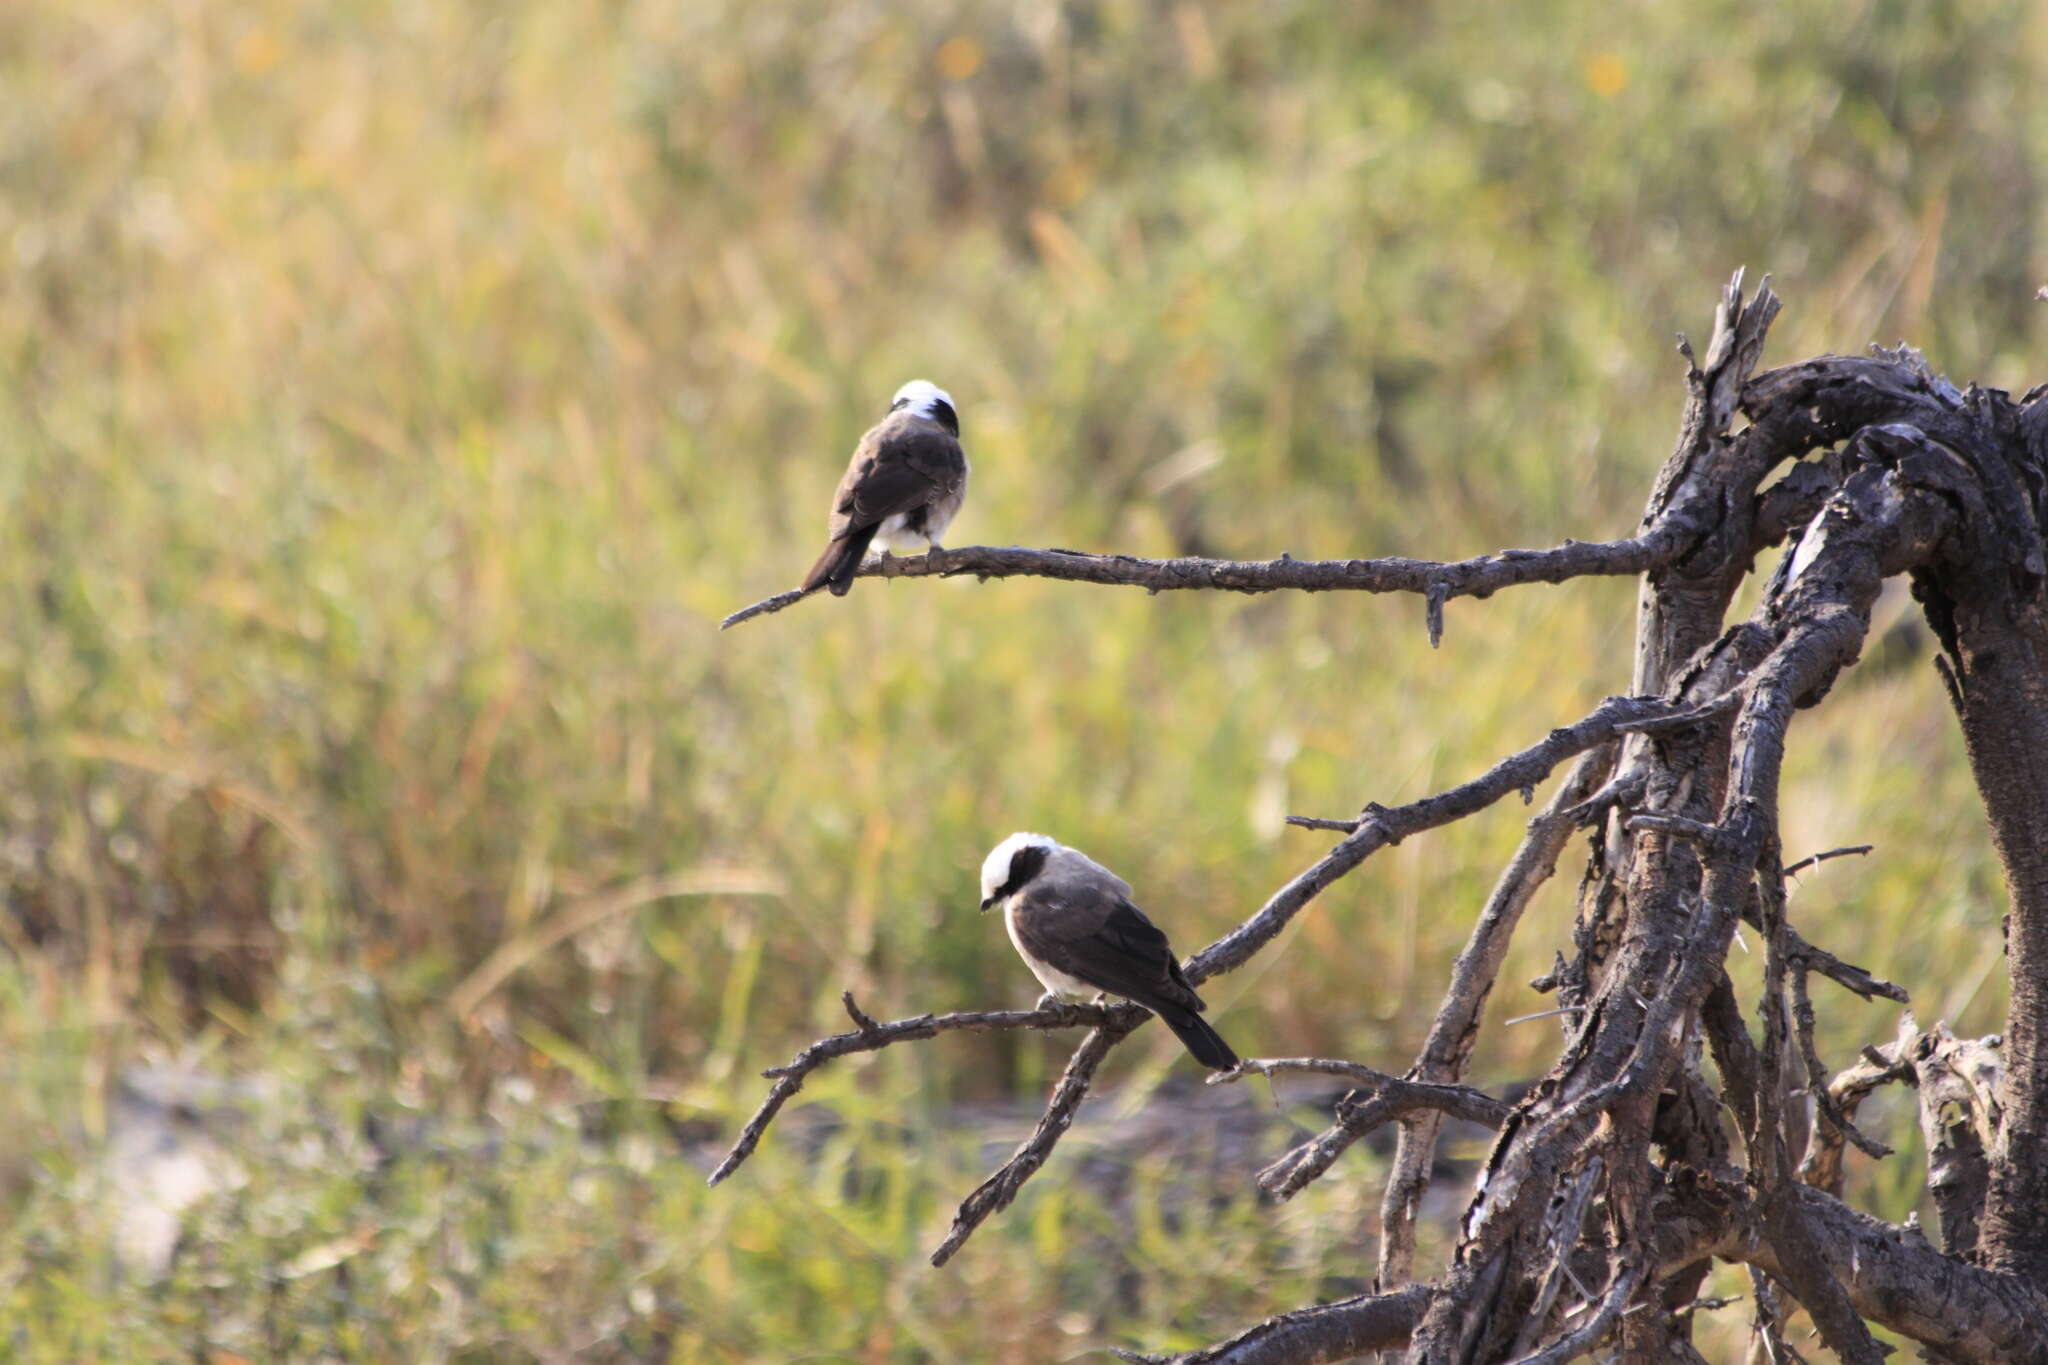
(393, 397)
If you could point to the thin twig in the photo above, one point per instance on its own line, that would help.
(869, 1036)
(1389, 825)
(1319, 822)
(995, 1193)
(1822, 1166)
(1393, 1098)
(1543, 1014)
(1826, 1109)
(1768, 1317)
(1848, 850)
(1567, 1223)
(1458, 1101)
(1770, 1156)
(1847, 975)
(1448, 1049)
(1594, 1330)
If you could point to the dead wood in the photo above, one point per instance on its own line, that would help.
(1667, 1135)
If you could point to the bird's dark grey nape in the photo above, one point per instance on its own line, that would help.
(905, 483)
(1073, 923)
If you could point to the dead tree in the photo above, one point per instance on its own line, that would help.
(1671, 1131)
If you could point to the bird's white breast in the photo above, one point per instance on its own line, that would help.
(1053, 978)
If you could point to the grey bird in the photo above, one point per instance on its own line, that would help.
(1076, 929)
(907, 479)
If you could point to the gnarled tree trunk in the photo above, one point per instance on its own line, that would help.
(1667, 1134)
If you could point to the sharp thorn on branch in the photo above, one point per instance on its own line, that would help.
(1541, 1014)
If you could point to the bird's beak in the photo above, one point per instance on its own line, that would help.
(986, 902)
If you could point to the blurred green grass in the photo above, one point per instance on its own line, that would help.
(396, 396)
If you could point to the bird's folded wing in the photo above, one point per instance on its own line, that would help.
(904, 473)
(1111, 946)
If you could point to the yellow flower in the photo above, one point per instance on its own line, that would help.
(1606, 75)
(959, 57)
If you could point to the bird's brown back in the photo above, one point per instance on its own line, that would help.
(903, 462)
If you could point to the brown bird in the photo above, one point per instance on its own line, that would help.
(907, 479)
(1076, 929)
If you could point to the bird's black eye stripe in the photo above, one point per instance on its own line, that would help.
(899, 403)
(1024, 865)
(942, 412)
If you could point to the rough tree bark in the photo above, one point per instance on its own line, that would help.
(1668, 1134)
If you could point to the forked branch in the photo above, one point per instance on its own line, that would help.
(1387, 1098)
(870, 1036)
(1614, 717)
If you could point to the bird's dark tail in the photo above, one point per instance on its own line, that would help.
(835, 567)
(1204, 1042)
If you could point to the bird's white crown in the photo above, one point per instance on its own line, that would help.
(923, 397)
(995, 869)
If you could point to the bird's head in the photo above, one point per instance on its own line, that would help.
(922, 398)
(1012, 863)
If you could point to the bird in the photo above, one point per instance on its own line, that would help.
(907, 479)
(1074, 925)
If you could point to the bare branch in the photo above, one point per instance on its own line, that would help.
(1806, 957)
(1822, 1165)
(1829, 1112)
(1684, 788)
(1437, 581)
(766, 606)
(1615, 716)
(1969, 1314)
(1393, 1098)
(995, 1193)
(1847, 975)
(1792, 501)
(1311, 1336)
(1594, 1330)
(1404, 1096)
(1828, 1303)
(1812, 859)
(1389, 825)
(1973, 1315)
(1770, 1322)
(1567, 1225)
(869, 1036)
(1456, 1028)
